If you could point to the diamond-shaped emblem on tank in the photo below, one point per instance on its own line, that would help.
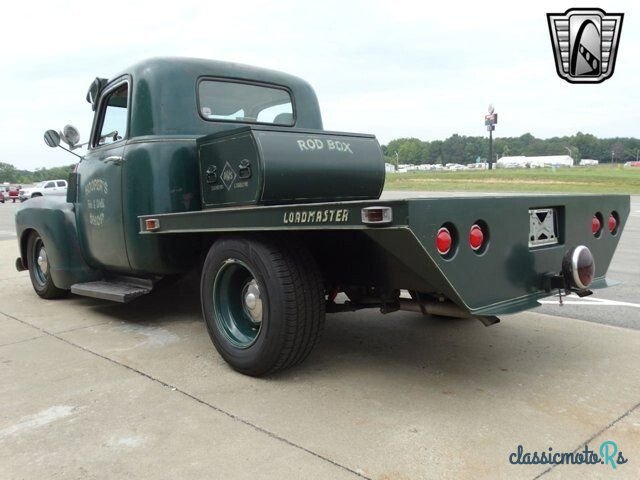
(228, 175)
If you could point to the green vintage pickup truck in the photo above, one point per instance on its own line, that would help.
(227, 168)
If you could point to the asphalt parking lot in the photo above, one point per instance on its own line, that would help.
(94, 390)
(7, 225)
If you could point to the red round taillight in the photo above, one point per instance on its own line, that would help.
(476, 237)
(595, 225)
(613, 223)
(444, 241)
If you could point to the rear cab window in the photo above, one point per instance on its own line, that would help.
(223, 100)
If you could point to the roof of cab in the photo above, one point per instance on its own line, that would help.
(164, 95)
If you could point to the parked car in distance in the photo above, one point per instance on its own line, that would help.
(13, 193)
(48, 187)
(2, 193)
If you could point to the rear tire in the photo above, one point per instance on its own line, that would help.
(39, 269)
(263, 303)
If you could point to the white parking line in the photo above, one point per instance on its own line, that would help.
(590, 301)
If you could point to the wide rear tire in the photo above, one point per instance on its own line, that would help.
(263, 303)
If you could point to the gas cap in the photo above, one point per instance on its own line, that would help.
(212, 175)
(244, 169)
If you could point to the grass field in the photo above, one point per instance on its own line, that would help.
(601, 179)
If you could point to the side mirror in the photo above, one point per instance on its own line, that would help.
(70, 135)
(52, 138)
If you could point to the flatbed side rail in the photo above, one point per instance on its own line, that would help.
(313, 216)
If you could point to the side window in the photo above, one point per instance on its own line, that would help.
(50, 185)
(113, 114)
(61, 183)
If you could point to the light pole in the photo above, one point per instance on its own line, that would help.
(491, 147)
(571, 155)
(490, 121)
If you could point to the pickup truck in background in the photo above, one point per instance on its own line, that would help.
(48, 187)
(226, 168)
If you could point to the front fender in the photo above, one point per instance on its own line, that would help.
(54, 220)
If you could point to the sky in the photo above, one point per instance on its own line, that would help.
(391, 68)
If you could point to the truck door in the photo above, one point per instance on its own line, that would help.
(99, 202)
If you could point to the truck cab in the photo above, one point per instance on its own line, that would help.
(142, 155)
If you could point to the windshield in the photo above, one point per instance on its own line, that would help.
(243, 102)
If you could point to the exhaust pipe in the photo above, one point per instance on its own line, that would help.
(444, 309)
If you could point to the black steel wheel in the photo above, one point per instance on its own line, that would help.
(263, 303)
(40, 269)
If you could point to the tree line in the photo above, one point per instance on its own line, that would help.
(463, 149)
(10, 174)
(455, 149)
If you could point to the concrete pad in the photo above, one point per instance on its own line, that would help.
(396, 396)
(53, 315)
(404, 396)
(12, 331)
(81, 416)
(626, 434)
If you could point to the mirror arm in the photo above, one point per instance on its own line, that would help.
(80, 145)
(72, 153)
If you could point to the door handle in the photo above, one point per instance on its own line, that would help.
(114, 159)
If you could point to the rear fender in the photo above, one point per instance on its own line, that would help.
(54, 220)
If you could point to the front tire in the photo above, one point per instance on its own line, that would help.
(40, 268)
(263, 303)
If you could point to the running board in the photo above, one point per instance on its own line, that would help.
(121, 290)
